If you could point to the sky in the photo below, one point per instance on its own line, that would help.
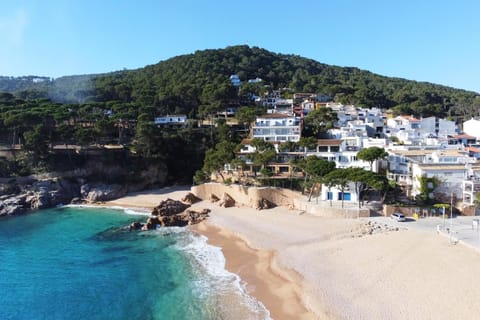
(424, 40)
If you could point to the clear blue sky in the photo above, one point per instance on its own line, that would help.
(425, 40)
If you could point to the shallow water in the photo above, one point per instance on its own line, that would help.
(77, 263)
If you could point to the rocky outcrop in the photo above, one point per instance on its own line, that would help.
(38, 195)
(169, 207)
(264, 204)
(214, 198)
(182, 219)
(227, 201)
(12, 205)
(171, 213)
(190, 198)
(102, 192)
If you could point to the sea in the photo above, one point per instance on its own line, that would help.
(80, 263)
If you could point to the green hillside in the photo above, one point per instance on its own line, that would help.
(185, 83)
(199, 82)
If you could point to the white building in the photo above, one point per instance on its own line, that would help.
(171, 120)
(472, 127)
(449, 166)
(277, 127)
(437, 127)
(235, 80)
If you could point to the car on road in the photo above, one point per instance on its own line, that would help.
(398, 216)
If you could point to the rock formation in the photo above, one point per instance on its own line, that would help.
(102, 192)
(227, 201)
(181, 219)
(190, 198)
(39, 194)
(169, 207)
(214, 198)
(264, 204)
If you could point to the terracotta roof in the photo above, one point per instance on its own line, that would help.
(410, 118)
(463, 136)
(329, 142)
(473, 149)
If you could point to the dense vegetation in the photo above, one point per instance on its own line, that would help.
(38, 113)
(198, 82)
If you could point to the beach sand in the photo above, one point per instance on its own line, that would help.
(306, 267)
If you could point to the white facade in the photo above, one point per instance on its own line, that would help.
(451, 177)
(277, 127)
(235, 80)
(472, 128)
(433, 126)
(171, 119)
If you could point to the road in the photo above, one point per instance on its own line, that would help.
(459, 229)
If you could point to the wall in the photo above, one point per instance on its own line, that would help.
(248, 196)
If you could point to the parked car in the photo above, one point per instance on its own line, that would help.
(398, 216)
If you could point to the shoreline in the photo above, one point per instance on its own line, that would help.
(338, 268)
(279, 289)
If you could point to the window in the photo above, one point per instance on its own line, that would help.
(346, 196)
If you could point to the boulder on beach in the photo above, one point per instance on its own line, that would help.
(182, 219)
(227, 201)
(190, 198)
(214, 198)
(264, 204)
(169, 207)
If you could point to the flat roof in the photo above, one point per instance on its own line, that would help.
(275, 116)
(442, 167)
(413, 153)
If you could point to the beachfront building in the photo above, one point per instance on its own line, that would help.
(348, 195)
(449, 166)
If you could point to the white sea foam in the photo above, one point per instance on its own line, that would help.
(137, 212)
(225, 289)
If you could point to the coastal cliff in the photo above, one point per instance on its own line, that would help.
(19, 195)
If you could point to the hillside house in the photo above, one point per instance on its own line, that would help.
(472, 127)
(277, 127)
(175, 120)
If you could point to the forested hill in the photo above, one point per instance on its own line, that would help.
(200, 82)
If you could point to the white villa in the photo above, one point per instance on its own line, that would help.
(277, 127)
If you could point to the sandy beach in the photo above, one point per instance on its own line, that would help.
(306, 267)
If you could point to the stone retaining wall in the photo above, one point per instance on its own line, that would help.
(249, 196)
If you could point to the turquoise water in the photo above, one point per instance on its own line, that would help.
(77, 263)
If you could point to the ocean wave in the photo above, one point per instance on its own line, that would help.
(130, 211)
(227, 293)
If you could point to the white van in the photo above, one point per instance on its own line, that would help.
(398, 216)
